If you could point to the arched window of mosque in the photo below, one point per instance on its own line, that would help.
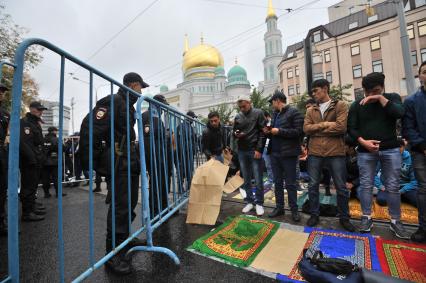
(270, 48)
(271, 72)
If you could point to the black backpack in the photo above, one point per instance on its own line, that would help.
(101, 136)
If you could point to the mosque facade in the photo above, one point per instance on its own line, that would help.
(206, 85)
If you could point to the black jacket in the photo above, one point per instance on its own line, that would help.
(288, 140)
(51, 149)
(250, 125)
(213, 140)
(32, 141)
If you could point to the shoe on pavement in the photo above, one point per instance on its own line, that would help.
(249, 207)
(347, 225)
(31, 217)
(313, 221)
(295, 216)
(119, 265)
(276, 212)
(365, 225)
(39, 212)
(419, 236)
(97, 190)
(399, 230)
(259, 210)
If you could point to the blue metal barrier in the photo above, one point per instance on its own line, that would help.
(174, 151)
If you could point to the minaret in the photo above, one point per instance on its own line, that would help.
(273, 47)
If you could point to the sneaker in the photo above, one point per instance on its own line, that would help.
(347, 225)
(399, 230)
(276, 212)
(366, 224)
(259, 210)
(313, 221)
(419, 236)
(119, 265)
(248, 208)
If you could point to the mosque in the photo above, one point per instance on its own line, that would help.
(205, 83)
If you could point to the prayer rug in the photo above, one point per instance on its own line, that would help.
(238, 240)
(323, 199)
(356, 248)
(403, 260)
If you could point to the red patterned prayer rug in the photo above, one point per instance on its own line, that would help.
(402, 260)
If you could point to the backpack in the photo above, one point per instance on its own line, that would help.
(101, 136)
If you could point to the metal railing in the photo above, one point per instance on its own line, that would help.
(168, 150)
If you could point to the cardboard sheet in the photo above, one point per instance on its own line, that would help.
(233, 184)
(282, 252)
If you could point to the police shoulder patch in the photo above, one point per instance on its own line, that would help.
(27, 130)
(100, 113)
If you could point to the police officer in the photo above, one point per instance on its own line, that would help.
(50, 168)
(4, 124)
(32, 158)
(118, 263)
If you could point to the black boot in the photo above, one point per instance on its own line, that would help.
(276, 212)
(327, 191)
(97, 190)
(31, 217)
(313, 221)
(118, 263)
(419, 236)
(295, 216)
(39, 212)
(347, 225)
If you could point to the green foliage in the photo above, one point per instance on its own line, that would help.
(339, 92)
(11, 35)
(300, 101)
(259, 101)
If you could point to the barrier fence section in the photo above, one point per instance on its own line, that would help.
(157, 160)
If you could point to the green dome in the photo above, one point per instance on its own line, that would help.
(237, 71)
(164, 88)
(219, 71)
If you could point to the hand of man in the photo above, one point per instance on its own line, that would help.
(275, 131)
(370, 145)
(370, 99)
(349, 186)
(257, 155)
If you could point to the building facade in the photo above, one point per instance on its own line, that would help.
(345, 50)
(51, 117)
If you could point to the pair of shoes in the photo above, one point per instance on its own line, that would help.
(97, 190)
(31, 217)
(47, 195)
(365, 225)
(295, 216)
(347, 225)
(249, 207)
(313, 221)
(399, 230)
(276, 212)
(419, 236)
(119, 265)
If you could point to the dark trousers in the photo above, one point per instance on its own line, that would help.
(419, 165)
(30, 176)
(122, 206)
(284, 168)
(409, 197)
(49, 175)
(3, 182)
(158, 184)
(337, 168)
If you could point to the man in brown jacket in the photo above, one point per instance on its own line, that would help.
(325, 124)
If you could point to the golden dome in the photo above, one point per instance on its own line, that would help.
(203, 55)
(271, 10)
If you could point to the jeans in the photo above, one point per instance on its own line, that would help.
(337, 169)
(251, 167)
(390, 161)
(407, 197)
(284, 168)
(268, 165)
(419, 165)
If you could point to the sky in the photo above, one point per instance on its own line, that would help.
(147, 37)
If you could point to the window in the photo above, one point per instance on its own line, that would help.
(378, 66)
(410, 31)
(291, 54)
(359, 93)
(271, 73)
(317, 36)
(420, 3)
(422, 28)
(375, 43)
(270, 48)
(355, 49)
(423, 54)
(329, 77)
(266, 49)
(327, 57)
(296, 71)
(316, 58)
(414, 57)
(357, 71)
(291, 90)
(281, 77)
(353, 25)
(372, 18)
(278, 47)
(297, 89)
(289, 73)
(318, 76)
(265, 73)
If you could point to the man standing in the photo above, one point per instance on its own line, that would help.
(414, 130)
(32, 159)
(325, 124)
(4, 124)
(285, 134)
(50, 169)
(213, 139)
(372, 123)
(248, 129)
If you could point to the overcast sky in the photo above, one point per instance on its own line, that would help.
(152, 44)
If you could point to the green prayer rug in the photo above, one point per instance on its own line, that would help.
(238, 240)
